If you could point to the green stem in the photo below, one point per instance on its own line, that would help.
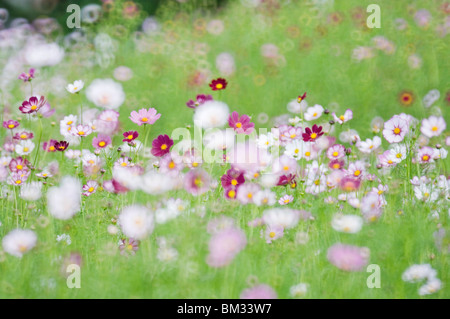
(81, 109)
(39, 142)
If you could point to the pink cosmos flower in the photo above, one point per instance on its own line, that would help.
(336, 151)
(27, 77)
(395, 129)
(161, 145)
(371, 206)
(46, 110)
(171, 164)
(230, 192)
(349, 184)
(107, 122)
(50, 146)
(347, 116)
(311, 134)
(24, 135)
(260, 291)
(286, 199)
(144, 116)
(197, 181)
(289, 133)
(425, 155)
(273, 232)
(200, 99)
(288, 179)
(356, 169)
(19, 164)
(433, 126)
(90, 188)
(10, 124)
(246, 192)
(224, 246)
(32, 105)
(241, 125)
(348, 258)
(18, 178)
(130, 136)
(387, 159)
(114, 186)
(128, 246)
(123, 162)
(101, 141)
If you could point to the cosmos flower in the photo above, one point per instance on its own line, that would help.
(347, 223)
(32, 105)
(130, 136)
(31, 191)
(76, 87)
(286, 199)
(211, 114)
(406, 98)
(241, 125)
(246, 192)
(272, 233)
(64, 201)
(313, 112)
(61, 146)
(433, 126)
(136, 222)
(101, 141)
(311, 135)
(90, 188)
(348, 257)
(264, 197)
(200, 99)
(347, 116)
(10, 124)
(81, 130)
(18, 178)
(218, 84)
(49, 146)
(19, 164)
(128, 246)
(224, 246)
(232, 178)
(144, 116)
(24, 147)
(395, 129)
(336, 151)
(419, 272)
(27, 77)
(161, 145)
(369, 145)
(19, 241)
(105, 93)
(24, 135)
(261, 291)
(197, 181)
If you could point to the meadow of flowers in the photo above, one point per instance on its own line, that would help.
(256, 149)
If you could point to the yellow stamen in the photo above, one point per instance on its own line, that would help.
(80, 133)
(101, 144)
(124, 164)
(357, 172)
(397, 130)
(434, 128)
(238, 124)
(171, 165)
(335, 154)
(91, 189)
(11, 126)
(163, 147)
(144, 119)
(313, 135)
(130, 137)
(23, 136)
(342, 118)
(219, 86)
(307, 154)
(272, 234)
(234, 182)
(19, 167)
(231, 194)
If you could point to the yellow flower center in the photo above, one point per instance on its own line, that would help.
(317, 181)
(293, 135)
(195, 164)
(357, 172)
(91, 189)
(336, 166)
(18, 181)
(90, 161)
(231, 194)
(286, 168)
(101, 144)
(19, 167)
(425, 157)
(397, 130)
(335, 154)
(313, 135)
(52, 148)
(198, 181)
(399, 155)
(69, 123)
(286, 201)
(390, 162)
(342, 117)
(171, 165)
(144, 119)
(219, 86)
(307, 154)
(296, 151)
(434, 128)
(272, 234)
(249, 195)
(23, 136)
(80, 133)
(124, 164)
(62, 147)
(11, 126)
(238, 124)
(75, 88)
(315, 114)
(33, 107)
(234, 182)
(26, 149)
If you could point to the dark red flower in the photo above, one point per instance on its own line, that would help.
(61, 146)
(301, 97)
(218, 84)
(161, 145)
(200, 99)
(312, 135)
(130, 136)
(287, 179)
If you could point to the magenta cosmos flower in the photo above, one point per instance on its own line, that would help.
(200, 99)
(144, 116)
(218, 84)
(313, 134)
(61, 146)
(50, 146)
(130, 136)
(161, 145)
(241, 125)
(197, 181)
(32, 105)
(101, 141)
(10, 124)
(348, 257)
(232, 178)
(90, 188)
(26, 77)
(24, 135)
(19, 164)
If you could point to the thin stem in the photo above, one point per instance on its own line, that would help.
(81, 108)
(39, 142)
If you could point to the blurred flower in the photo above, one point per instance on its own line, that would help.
(218, 84)
(348, 257)
(211, 114)
(75, 87)
(433, 126)
(128, 246)
(136, 222)
(224, 246)
(406, 98)
(347, 223)
(200, 99)
(27, 77)
(260, 291)
(43, 54)
(105, 93)
(19, 241)
(64, 201)
(10, 124)
(32, 105)
(242, 124)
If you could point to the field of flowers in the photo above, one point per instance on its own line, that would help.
(241, 149)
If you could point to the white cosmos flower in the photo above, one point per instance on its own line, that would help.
(19, 241)
(418, 272)
(155, 183)
(136, 222)
(75, 87)
(432, 286)
(297, 108)
(63, 201)
(264, 197)
(369, 145)
(284, 217)
(219, 139)
(24, 147)
(426, 193)
(106, 93)
(313, 112)
(43, 54)
(433, 126)
(299, 290)
(211, 114)
(31, 191)
(347, 223)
